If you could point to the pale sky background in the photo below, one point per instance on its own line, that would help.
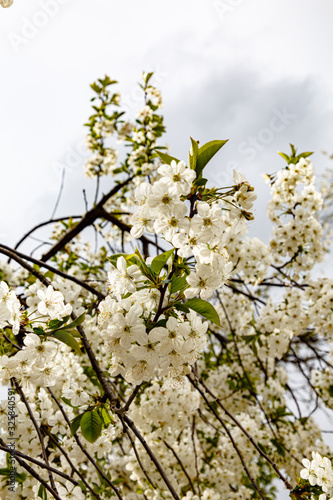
(226, 69)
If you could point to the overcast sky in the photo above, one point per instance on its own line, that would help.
(256, 72)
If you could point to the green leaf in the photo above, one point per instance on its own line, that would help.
(96, 88)
(166, 158)
(38, 330)
(74, 324)
(55, 324)
(119, 480)
(42, 492)
(161, 322)
(91, 425)
(49, 275)
(201, 182)
(293, 149)
(74, 333)
(75, 424)
(306, 154)
(4, 472)
(20, 478)
(107, 420)
(107, 81)
(284, 156)
(181, 307)
(194, 156)
(67, 339)
(206, 153)
(137, 259)
(148, 77)
(178, 284)
(279, 448)
(159, 261)
(205, 309)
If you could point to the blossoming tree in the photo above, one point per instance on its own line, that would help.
(175, 357)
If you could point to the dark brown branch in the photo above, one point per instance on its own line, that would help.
(88, 219)
(248, 295)
(278, 269)
(26, 266)
(181, 466)
(37, 476)
(17, 453)
(11, 342)
(158, 466)
(42, 224)
(127, 431)
(233, 442)
(195, 454)
(74, 469)
(92, 290)
(131, 398)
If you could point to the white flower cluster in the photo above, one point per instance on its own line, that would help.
(52, 304)
(101, 164)
(251, 258)
(163, 209)
(319, 472)
(36, 364)
(163, 409)
(294, 195)
(138, 354)
(9, 308)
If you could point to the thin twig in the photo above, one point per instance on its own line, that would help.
(250, 438)
(127, 431)
(40, 437)
(82, 448)
(74, 469)
(5, 448)
(131, 398)
(181, 465)
(9, 251)
(158, 466)
(34, 474)
(195, 454)
(60, 192)
(88, 219)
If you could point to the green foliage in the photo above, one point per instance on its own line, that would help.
(166, 158)
(193, 155)
(178, 284)
(204, 308)
(294, 158)
(42, 492)
(160, 260)
(206, 153)
(91, 425)
(68, 339)
(75, 424)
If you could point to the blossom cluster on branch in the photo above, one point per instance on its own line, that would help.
(170, 355)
